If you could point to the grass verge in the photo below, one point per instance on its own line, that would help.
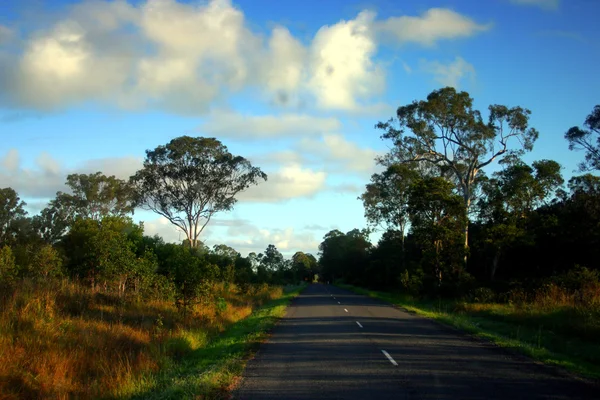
(213, 370)
(543, 335)
(60, 339)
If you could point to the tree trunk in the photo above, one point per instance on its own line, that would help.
(467, 199)
(494, 265)
(438, 270)
(403, 257)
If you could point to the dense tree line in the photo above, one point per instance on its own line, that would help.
(87, 233)
(450, 228)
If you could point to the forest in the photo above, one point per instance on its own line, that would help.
(81, 280)
(452, 229)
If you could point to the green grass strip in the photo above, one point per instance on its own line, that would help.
(539, 344)
(212, 370)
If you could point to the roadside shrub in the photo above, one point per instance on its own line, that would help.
(483, 295)
(577, 278)
(46, 263)
(517, 297)
(412, 283)
(8, 269)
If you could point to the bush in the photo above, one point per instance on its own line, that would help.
(577, 278)
(46, 263)
(8, 269)
(483, 295)
(412, 283)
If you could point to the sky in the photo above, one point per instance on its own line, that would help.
(295, 87)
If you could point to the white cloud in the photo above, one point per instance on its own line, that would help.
(266, 126)
(335, 150)
(341, 65)
(285, 66)
(289, 182)
(163, 228)
(188, 58)
(544, 4)
(449, 74)
(120, 167)
(49, 176)
(251, 238)
(346, 188)
(282, 157)
(11, 161)
(242, 235)
(434, 25)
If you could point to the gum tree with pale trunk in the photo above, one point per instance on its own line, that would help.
(447, 132)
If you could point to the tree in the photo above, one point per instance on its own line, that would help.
(96, 196)
(436, 215)
(272, 259)
(303, 266)
(509, 197)
(386, 197)
(11, 210)
(46, 263)
(54, 221)
(104, 251)
(447, 132)
(344, 255)
(225, 258)
(93, 196)
(583, 139)
(8, 268)
(190, 179)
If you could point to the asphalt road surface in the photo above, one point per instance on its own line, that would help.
(334, 344)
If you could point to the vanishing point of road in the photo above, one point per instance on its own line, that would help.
(334, 344)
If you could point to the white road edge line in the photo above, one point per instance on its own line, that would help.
(359, 324)
(345, 310)
(385, 353)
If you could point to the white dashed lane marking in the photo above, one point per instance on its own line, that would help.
(385, 353)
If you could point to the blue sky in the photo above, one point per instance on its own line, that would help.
(296, 87)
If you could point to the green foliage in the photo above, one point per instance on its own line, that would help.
(343, 256)
(412, 283)
(448, 135)
(46, 263)
(8, 269)
(509, 198)
(483, 295)
(437, 218)
(577, 278)
(93, 196)
(103, 252)
(97, 196)
(588, 140)
(386, 197)
(304, 267)
(191, 274)
(11, 212)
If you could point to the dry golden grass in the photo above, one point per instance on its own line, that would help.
(61, 340)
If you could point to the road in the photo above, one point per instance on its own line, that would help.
(331, 344)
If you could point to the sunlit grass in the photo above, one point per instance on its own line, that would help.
(551, 327)
(213, 370)
(62, 340)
